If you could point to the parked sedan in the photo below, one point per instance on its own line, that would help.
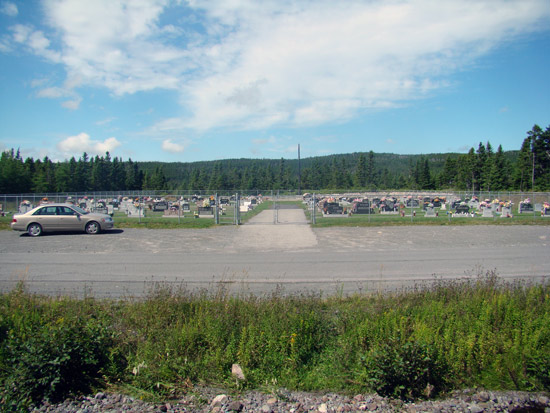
(60, 217)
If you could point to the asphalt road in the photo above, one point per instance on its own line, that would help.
(261, 257)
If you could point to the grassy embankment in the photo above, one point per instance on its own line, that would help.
(477, 333)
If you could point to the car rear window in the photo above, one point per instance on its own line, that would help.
(46, 211)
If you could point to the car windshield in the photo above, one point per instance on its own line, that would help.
(79, 210)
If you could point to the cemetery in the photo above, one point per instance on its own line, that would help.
(374, 207)
(445, 206)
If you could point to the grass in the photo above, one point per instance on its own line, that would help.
(481, 332)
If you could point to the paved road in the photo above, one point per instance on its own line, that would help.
(260, 257)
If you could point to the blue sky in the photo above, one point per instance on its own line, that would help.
(186, 80)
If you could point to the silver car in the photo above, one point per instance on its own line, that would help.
(60, 217)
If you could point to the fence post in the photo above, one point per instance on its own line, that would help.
(216, 211)
(313, 212)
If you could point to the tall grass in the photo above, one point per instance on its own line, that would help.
(409, 344)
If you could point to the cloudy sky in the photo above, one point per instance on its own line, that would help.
(189, 80)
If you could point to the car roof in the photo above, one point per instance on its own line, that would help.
(56, 204)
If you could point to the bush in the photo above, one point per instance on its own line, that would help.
(406, 371)
(52, 363)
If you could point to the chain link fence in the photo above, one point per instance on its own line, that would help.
(227, 207)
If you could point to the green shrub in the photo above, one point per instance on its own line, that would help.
(52, 363)
(538, 370)
(404, 370)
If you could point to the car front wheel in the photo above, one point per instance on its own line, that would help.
(34, 230)
(92, 228)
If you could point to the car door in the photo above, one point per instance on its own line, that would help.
(47, 218)
(69, 219)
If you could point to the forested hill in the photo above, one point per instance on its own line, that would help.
(388, 170)
(481, 169)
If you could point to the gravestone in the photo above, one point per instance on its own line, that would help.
(412, 203)
(506, 212)
(206, 211)
(333, 208)
(488, 213)
(100, 208)
(362, 208)
(436, 202)
(525, 207)
(455, 203)
(473, 204)
(538, 207)
(462, 209)
(134, 211)
(430, 212)
(387, 205)
(24, 207)
(160, 206)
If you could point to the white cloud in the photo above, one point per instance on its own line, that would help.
(252, 65)
(8, 8)
(59, 92)
(72, 104)
(169, 146)
(78, 144)
(35, 41)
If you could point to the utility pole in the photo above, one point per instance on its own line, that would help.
(299, 173)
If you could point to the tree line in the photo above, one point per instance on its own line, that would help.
(481, 169)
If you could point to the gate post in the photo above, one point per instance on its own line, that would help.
(216, 211)
(313, 218)
(237, 209)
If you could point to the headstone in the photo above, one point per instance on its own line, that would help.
(506, 212)
(488, 213)
(430, 212)
(209, 211)
(525, 207)
(160, 206)
(473, 204)
(538, 207)
(24, 207)
(362, 208)
(134, 211)
(100, 208)
(462, 209)
(333, 208)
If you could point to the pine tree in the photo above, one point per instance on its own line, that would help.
(360, 177)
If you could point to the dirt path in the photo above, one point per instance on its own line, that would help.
(291, 231)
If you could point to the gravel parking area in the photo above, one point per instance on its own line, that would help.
(261, 256)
